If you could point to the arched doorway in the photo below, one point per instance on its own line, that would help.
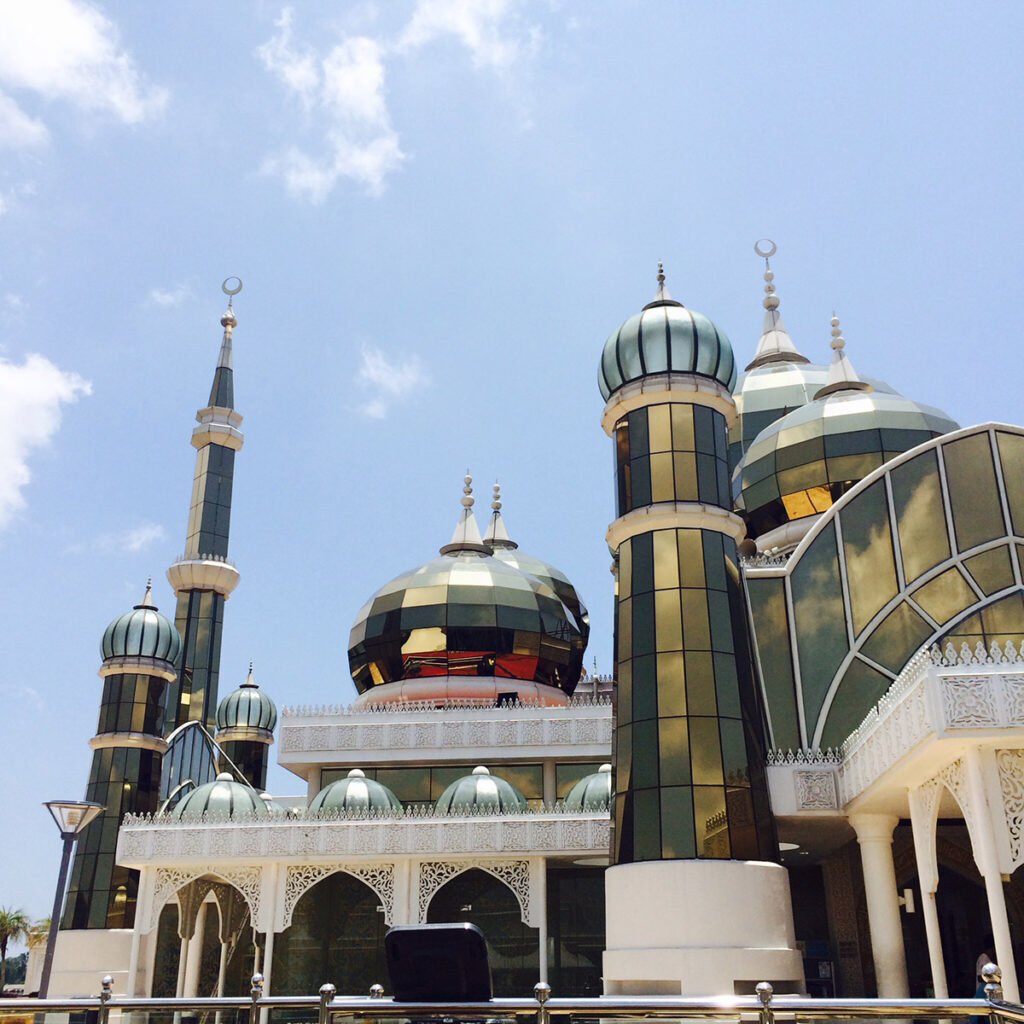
(336, 936)
(484, 900)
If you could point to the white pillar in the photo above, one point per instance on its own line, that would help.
(987, 858)
(541, 896)
(550, 783)
(179, 990)
(193, 961)
(268, 966)
(874, 835)
(921, 820)
(133, 962)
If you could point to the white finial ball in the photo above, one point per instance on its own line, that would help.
(225, 777)
(770, 302)
(605, 768)
(769, 275)
(481, 770)
(357, 773)
(467, 479)
(834, 321)
(838, 343)
(467, 501)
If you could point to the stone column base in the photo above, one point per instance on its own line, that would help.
(699, 928)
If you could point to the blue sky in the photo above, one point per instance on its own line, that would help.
(440, 209)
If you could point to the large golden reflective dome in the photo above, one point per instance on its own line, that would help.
(467, 626)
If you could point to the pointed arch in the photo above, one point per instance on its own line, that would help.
(514, 874)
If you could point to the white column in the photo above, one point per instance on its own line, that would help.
(550, 783)
(268, 966)
(179, 990)
(133, 962)
(874, 835)
(541, 895)
(987, 858)
(927, 874)
(195, 955)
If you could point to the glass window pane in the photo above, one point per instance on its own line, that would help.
(917, 498)
(861, 688)
(640, 482)
(638, 443)
(705, 751)
(711, 823)
(973, 495)
(691, 558)
(677, 836)
(700, 683)
(666, 560)
(682, 428)
(991, 569)
(659, 423)
(673, 752)
(768, 612)
(662, 487)
(645, 688)
(945, 596)
(897, 637)
(685, 464)
(696, 628)
(671, 685)
(646, 825)
(1011, 455)
(867, 545)
(669, 635)
(643, 563)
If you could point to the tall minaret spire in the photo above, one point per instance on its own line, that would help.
(203, 577)
(775, 345)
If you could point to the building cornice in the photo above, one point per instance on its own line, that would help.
(675, 515)
(138, 740)
(668, 387)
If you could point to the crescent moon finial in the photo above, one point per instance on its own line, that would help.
(764, 247)
(233, 289)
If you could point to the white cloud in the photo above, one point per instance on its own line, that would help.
(346, 86)
(142, 536)
(387, 380)
(485, 27)
(170, 296)
(67, 50)
(344, 93)
(31, 396)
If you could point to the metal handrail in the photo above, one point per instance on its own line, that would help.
(764, 1005)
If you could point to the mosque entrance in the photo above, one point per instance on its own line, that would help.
(482, 899)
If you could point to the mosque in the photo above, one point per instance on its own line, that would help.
(807, 768)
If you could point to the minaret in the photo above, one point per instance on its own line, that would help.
(775, 344)
(203, 577)
(140, 650)
(696, 901)
(245, 730)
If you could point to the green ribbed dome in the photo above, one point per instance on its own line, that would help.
(355, 793)
(222, 796)
(592, 792)
(665, 337)
(142, 633)
(248, 707)
(480, 791)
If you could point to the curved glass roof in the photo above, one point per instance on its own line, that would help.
(142, 632)
(248, 707)
(927, 542)
(592, 792)
(355, 793)
(481, 792)
(665, 337)
(222, 796)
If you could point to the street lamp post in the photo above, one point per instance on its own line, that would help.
(72, 817)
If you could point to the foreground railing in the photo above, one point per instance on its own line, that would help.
(765, 1006)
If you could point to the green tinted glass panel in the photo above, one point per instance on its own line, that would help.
(768, 611)
(567, 775)
(920, 522)
(859, 690)
(646, 825)
(705, 751)
(973, 495)
(870, 564)
(999, 622)
(945, 596)
(1011, 455)
(710, 821)
(677, 838)
(820, 619)
(991, 569)
(897, 637)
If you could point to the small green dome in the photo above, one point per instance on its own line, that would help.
(665, 337)
(142, 633)
(480, 791)
(355, 793)
(222, 796)
(248, 707)
(592, 792)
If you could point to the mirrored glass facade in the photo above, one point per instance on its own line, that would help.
(927, 550)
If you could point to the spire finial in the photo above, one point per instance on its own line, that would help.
(838, 342)
(765, 248)
(230, 286)
(147, 598)
(467, 491)
(661, 273)
(496, 500)
(467, 534)
(249, 681)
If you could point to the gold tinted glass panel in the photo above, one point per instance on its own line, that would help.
(860, 689)
(973, 495)
(671, 684)
(697, 629)
(682, 428)
(945, 596)
(920, 521)
(686, 475)
(691, 559)
(673, 752)
(625, 574)
(662, 487)
(1011, 455)
(625, 637)
(710, 822)
(807, 502)
(659, 426)
(666, 560)
(705, 751)
(901, 633)
(668, 623)
(991, 569)
(700, 683)
(870, 563)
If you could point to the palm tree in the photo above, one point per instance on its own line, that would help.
(38, 933)
(14, 924)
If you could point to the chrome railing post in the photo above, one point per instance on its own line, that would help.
(106, 992)
(255, 993)
(764, 992)
(327, 993)
(376, 991)
(541, 992)
(993, 978)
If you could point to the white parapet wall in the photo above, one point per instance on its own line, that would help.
(83, 955)
(699, 928)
